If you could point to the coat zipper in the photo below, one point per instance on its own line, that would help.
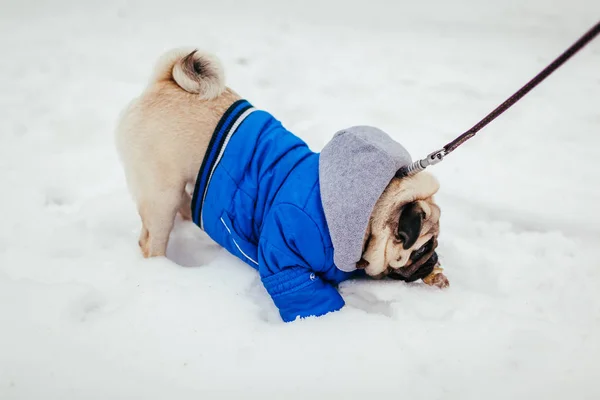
(236, 244)
(234, 127)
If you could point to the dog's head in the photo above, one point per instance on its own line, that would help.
(401, 238)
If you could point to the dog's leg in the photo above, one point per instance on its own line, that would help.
(437, 278)
(186, 206)
(158, 216)
(143, 240)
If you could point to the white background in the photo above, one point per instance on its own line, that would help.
(83, 316)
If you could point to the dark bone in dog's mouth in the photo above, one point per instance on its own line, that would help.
(424, 260)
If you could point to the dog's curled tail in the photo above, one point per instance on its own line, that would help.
(193, 70)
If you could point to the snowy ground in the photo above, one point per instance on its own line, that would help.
(83, 316)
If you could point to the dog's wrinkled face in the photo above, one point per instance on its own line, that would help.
(402, 234)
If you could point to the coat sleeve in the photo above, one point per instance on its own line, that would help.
(291, 256)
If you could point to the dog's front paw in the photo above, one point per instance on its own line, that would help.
(437, 278)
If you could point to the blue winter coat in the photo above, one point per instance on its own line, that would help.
(258, 195)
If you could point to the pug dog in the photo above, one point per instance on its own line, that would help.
(258, 191)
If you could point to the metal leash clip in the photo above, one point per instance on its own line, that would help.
(434, 158)
(419, 165)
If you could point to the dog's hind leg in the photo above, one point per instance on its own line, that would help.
(143, 240)
(158, 216)
(186, 206)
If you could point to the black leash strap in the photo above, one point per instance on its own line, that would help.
(439, 155)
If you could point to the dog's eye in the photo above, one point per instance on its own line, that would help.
(426, 248)
(418, 253)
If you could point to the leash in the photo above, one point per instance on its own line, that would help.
(437, 156)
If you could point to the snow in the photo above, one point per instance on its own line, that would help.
(83, 315)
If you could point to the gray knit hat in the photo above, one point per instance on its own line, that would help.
(355, 167)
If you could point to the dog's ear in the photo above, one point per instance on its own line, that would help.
(409, 226)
